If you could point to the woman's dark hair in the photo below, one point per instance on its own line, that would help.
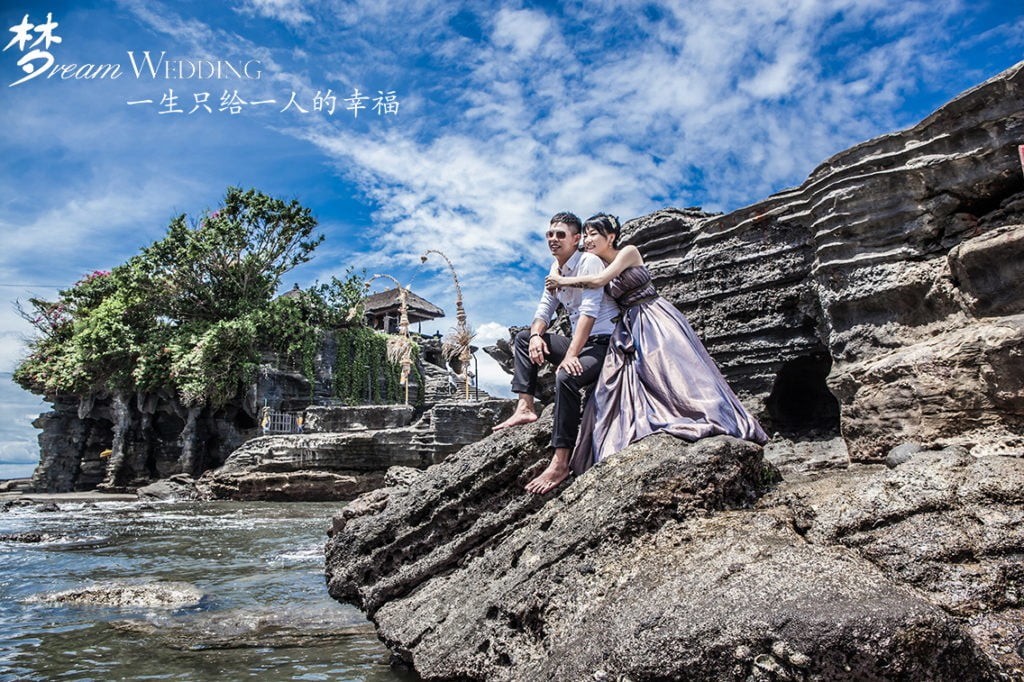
(569, 219)
(606, 225)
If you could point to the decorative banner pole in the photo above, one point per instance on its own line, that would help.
(400, 348)
(458, 341)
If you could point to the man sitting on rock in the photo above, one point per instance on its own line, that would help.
(579, 359)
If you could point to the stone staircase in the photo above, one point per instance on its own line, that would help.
(438, 389)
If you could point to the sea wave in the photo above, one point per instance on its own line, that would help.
(302, 555)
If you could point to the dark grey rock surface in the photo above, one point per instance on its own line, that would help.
(656, 565)
(116, 443)
(177, 487)
(325, 419)
(342, 464)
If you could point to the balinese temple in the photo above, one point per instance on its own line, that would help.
(382, 310)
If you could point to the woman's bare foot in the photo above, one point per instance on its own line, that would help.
(524, 416)
(556, 472)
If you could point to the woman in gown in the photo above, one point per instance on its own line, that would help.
(657, 377)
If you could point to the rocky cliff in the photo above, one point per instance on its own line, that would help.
(118, 442)
(877, 303)
(128, 441)
(663, 563)
(346, 451)
(883, 295)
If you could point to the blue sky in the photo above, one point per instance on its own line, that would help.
(507, 113)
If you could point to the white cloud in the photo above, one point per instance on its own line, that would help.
(493, 378)
(90, 220)
(735, 102)
(776, 79)
(8, 471)
(24, 452)
(522, 30)
(290, 12)
(489, 332)
(730, 101)
(19, 447)
(12, 350)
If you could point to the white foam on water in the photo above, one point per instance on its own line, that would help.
(308, 554)
(73, 541)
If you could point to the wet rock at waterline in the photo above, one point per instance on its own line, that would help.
(160, 595)
(176, 487)
(242, 629)
(24, 537)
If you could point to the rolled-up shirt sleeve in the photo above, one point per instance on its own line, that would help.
(547, 307)
(590, 301)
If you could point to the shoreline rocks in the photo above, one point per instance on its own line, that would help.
(664, 563)
(158, 595)
(27, 537)
(363, 443)
(243, 629)
(176, 487)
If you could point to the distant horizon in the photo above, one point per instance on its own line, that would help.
(459, 126)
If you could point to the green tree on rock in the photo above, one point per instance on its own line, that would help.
(191, 312)
(232, 261)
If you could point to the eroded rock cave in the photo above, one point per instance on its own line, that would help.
(800, 403)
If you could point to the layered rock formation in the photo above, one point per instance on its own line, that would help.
(654, 566)
(119, 442)
(346, 451)
(882, 296)
(878, 303)
(125, 442)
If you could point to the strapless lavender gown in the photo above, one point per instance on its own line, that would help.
(657, 378)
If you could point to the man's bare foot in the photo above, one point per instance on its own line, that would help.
(556, 472)
(525, 416)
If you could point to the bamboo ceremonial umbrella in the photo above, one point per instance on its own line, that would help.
(457, 342)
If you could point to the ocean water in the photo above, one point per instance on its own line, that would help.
(262, 610)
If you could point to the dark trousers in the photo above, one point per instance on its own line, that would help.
(568, 403)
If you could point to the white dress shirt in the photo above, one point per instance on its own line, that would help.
(593, 302)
